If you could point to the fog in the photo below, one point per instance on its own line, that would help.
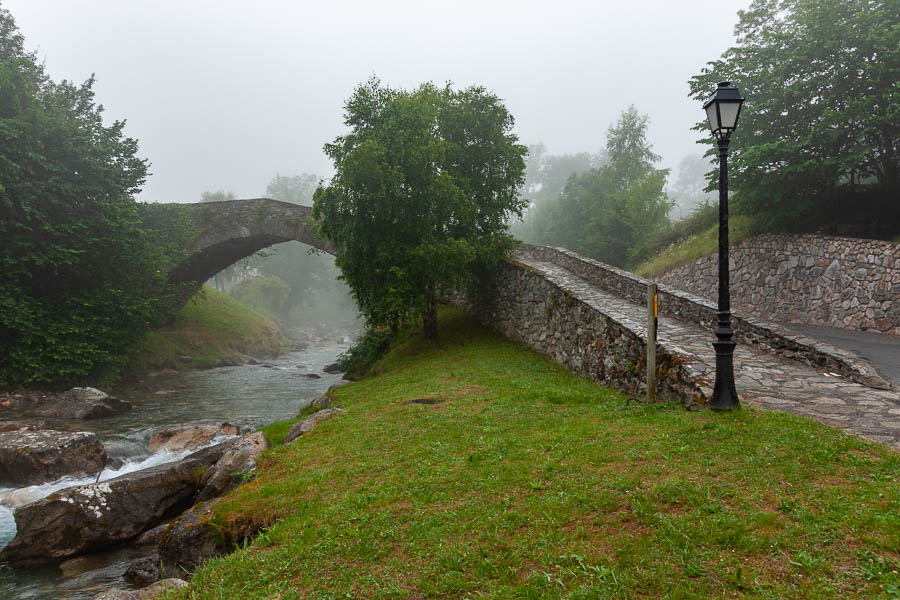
(223, 94)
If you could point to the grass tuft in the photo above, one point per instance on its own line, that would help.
(740, 227)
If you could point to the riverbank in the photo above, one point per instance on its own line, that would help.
(213, 329)
(476, 467)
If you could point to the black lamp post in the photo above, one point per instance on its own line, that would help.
(722, 110)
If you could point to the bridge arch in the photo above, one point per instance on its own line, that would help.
(227, 231)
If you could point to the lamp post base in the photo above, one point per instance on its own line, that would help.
(724, 393)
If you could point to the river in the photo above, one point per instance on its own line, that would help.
(246, 395)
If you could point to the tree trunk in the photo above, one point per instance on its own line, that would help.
(429, 317)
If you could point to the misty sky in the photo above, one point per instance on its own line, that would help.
(223, 94)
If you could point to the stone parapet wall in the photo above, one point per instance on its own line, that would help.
(543, 313)
(807, 279)
(688, 307)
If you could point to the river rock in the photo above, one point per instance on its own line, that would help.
(34, 457)
(80, 403)
(231, 469)
(190, 541)
(323, 401)
(305, 426)
(150, 593)
(334, 369)
(151, 536)
(86, 518)
(189, 437)
(20, 425)
(143, 571)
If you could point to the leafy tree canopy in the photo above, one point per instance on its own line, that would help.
(425, 183)
(611, 212)
(823, 103)
(75, 267)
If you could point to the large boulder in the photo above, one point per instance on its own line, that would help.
(190, 541)
(196, 536)
(33, 457)
(85, 518)
(233, 467)
(80, 403)
(305, 426)
(189, 437)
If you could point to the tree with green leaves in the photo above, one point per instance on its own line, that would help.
(425, 182)
(611, 212)
(822, 116)
(78, 276)
(546, 176)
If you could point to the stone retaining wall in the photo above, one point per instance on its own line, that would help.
(688, 307)
(524, 305)
(808, 279)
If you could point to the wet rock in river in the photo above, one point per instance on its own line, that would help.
(80, 403)
(233, 467)
(20, 425)
(85, 518)
(189, 437)
(34, 457)
(143, 571)
(334, 369)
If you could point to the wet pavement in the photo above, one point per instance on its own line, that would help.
(762, 379)
(880, 349)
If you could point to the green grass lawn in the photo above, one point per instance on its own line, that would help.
(212, 326)
(524, 481)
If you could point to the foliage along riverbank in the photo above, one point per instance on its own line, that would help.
(474, 467)
(212, 329)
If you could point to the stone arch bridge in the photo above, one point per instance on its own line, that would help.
(218, 234)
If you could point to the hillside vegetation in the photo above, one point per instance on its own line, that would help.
(693, 246)
(520, 480)
(210, 329)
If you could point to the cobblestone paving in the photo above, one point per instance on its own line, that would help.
(762, 379)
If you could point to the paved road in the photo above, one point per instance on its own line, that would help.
(883, 351)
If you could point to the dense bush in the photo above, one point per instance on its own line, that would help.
(77, 273)
(366, 350)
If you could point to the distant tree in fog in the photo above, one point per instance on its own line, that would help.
(217, 196)
(611, 212)
(297, 189)
(690, 187)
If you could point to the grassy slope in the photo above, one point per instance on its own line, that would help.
(211, 327)
(529, 482)
(740, 227)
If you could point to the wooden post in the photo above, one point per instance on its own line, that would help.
(652, 312)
